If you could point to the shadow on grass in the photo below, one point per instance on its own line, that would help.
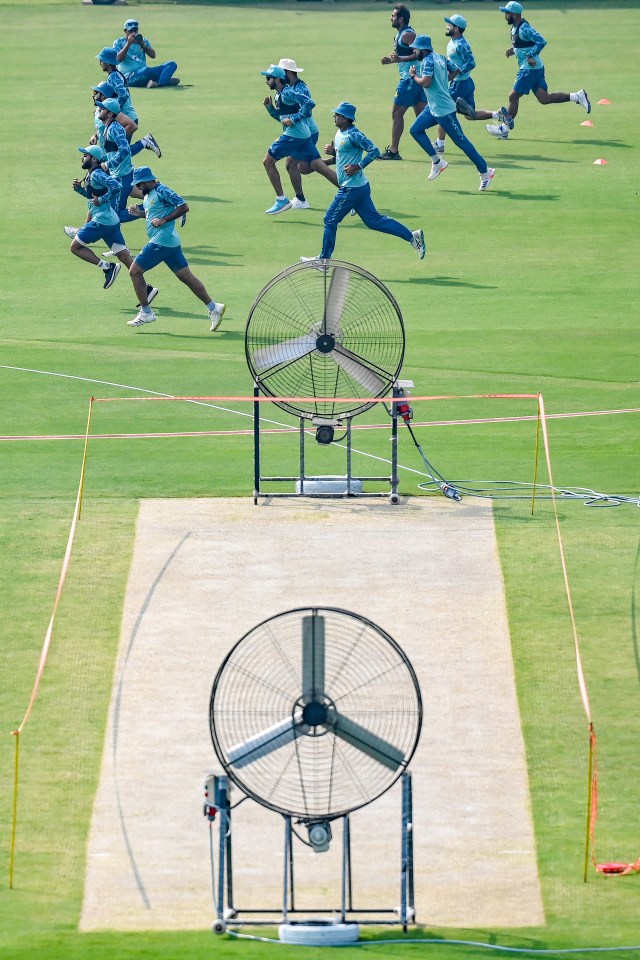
(448, 282)
(199, 199)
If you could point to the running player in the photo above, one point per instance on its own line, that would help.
(408, 93)
(353, 152)
(460, 55)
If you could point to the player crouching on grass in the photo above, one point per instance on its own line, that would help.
(162, 207)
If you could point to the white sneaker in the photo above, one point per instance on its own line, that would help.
(71, 231)
(583, 100)
(436, 146)
(141, 318)
(418, 243)
(486, 178)
(437, 168)
(499, 130)
(152, 83)
(215, 316)
(299, 204)
(316, 263)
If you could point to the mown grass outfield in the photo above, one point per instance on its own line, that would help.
(530, 287)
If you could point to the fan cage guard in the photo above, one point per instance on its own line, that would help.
(344, 301)
(318, 775)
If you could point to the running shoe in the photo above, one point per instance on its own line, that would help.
(418, 243)
(486, 178)
(215, 316)
(150, 143)
(505, 117)
(583, 100)
(465, 109)
(110, 274)
(499, 130)
(299, 204)
(71, 231)
(389, 155)
(280, 206)
(141, 318)
(437, 168)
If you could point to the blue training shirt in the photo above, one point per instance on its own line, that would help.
(122, 94)
(161, 202)
(460, 55)
(117, 149)
(106, 191)
(438, 97)
(352, 147)
(135, 59)
(527, 42)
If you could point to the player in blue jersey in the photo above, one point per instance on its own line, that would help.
(102, 223)
(408, 93)
(107, 90)
(461, 86)
(102, 192)
(295, 168)
(132, 51)
(162, 208)
(433, 74)
(118, 152)
(353, 152)
(293, 110)
(526, 44)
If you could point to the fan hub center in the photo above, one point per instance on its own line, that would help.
(325, 343)
(314, 713)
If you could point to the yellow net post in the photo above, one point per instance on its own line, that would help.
(14, 814)
(535, 464)
(84, 458)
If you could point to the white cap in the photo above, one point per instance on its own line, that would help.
(290, 65)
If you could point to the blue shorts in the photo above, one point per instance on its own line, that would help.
(154, 253)
(465, 89)
(298, 147)
(529, 80)
(409, 93)
(93, 231)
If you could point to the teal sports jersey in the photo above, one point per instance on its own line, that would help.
(161, 202)
(527, 42)
(301, 87)
(436, 66)
(135, 59)
(352, 147)
(460, 55)
(106, 190)
(123, 96)
(117, 148)
(403, 50)
(292, 98)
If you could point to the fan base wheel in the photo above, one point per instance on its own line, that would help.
(319, 933)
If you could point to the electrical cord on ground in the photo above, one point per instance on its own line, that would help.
(534, 951)
(521, 490)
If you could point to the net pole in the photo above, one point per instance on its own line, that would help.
(14, 813)
(84, 458)
(590, 806)
(535, 461)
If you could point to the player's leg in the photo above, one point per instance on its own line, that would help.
(338, 209)
(91, 232)
(177, 262)
(166, 74)
(319, 166)
(367, 212)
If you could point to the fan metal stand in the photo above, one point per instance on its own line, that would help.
(334, 486)
(217, 788)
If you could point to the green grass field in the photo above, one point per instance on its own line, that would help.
(529, 288)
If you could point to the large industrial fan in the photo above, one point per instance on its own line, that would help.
(315, 713)
(324, 344)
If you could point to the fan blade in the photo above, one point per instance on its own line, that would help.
(312, 658)
(265, 742)
(357, 370)
(374, 746)
(335, 301)
(283, 352)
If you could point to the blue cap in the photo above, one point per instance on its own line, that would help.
(142, 174)
(131, 25)
(274, 71)
(108, 55)
(457, 21)
(346, 110)
(422, 42)
(512, 7)
(94, 150)
(111, 105)
(105, 89)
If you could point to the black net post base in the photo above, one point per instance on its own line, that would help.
(325, 485)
